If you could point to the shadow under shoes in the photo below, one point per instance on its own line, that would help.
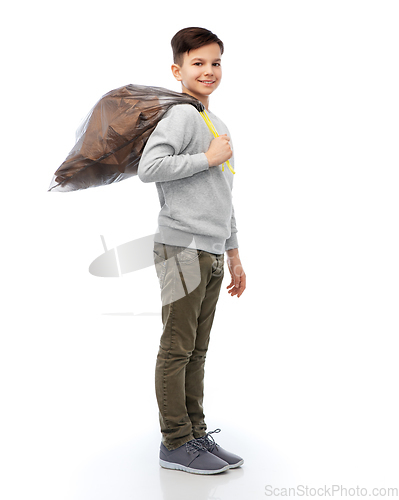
(209, 444)
(191, 457)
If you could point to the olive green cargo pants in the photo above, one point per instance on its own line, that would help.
(190, 282)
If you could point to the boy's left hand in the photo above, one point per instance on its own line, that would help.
(238, 277)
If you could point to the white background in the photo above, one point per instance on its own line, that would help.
(302, 371)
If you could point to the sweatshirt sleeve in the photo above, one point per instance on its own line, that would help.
(232, 242)
(163, 158)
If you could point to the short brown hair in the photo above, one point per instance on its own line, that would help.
(192, 38)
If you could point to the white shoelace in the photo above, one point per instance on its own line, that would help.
(207, 441)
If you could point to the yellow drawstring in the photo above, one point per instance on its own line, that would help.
(214, 132)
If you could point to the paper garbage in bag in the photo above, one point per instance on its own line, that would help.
(111, 139)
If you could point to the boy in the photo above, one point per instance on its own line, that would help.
(196, 226)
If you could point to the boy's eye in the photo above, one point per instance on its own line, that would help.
(199, 64)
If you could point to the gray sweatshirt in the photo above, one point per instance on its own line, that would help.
(196, 200)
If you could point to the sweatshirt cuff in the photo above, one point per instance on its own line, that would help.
(199, 163)
(232, 242)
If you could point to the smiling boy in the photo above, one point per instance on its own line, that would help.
(196, 226)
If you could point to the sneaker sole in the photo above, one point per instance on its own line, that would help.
(233, 466)
(171, 465)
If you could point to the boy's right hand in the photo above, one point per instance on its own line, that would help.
(219, 151)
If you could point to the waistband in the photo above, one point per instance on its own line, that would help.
(170, 236)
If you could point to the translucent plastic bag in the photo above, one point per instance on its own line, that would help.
(110, 142)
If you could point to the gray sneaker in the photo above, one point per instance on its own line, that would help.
(209, 444)
(191, 457)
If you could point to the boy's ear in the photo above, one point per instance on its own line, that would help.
(176, 72)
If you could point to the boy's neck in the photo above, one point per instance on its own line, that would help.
(202, 98)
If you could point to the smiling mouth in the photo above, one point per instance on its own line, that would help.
(208, 82)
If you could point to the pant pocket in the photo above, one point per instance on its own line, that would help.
(160, 266)
(188, 255)
(218, 265)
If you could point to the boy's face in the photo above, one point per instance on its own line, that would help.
(201, 71)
